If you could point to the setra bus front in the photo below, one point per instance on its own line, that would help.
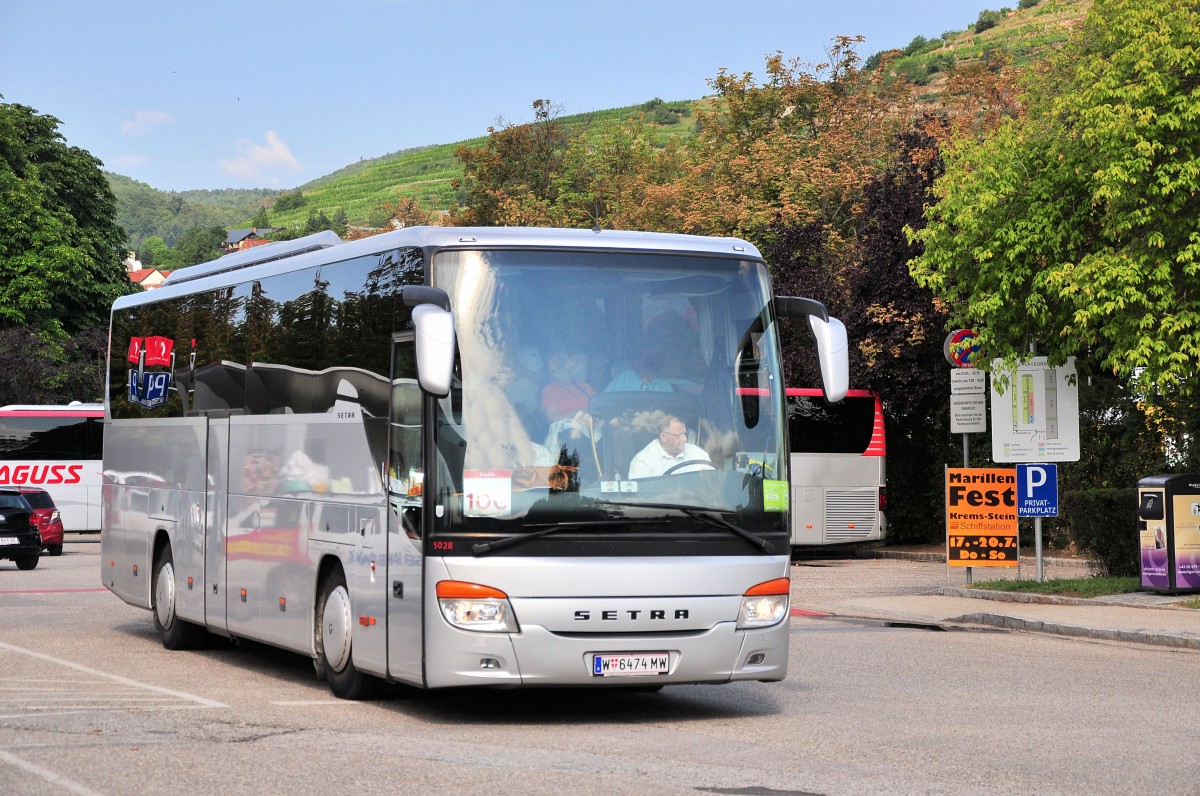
(602, 493)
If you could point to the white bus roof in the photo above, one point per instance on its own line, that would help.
(311, 250)
(74, 406)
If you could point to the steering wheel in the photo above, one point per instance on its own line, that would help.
(689, 463)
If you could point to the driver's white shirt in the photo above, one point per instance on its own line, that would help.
(652, 460)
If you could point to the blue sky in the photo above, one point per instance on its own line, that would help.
(271, 93)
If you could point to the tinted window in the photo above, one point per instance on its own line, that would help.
(39, 500)
(10, 501)
(289, 343)
(819, 427)
(45, 438)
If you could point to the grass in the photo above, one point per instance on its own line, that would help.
(1192, 603)
(1068, 587)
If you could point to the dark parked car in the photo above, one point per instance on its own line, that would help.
(49, 522)
(20, 539)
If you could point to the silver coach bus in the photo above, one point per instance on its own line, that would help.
(412, 457)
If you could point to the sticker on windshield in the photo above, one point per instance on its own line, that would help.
(487, 493)
(775, 495)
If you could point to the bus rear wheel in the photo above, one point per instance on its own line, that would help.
(332, 637)
(176, 634)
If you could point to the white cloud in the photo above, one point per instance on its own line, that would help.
(260, 163)
(145, 121)
(131, 161)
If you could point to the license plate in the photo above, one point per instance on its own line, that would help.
(641, 663)
(9, 540)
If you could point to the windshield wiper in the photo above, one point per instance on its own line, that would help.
(706, 515)
(547, 528)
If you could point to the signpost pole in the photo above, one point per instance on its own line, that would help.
(1037, 521)
(966, 464)
(1037, 543)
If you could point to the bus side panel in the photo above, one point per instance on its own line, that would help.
(302, 488)
(808, 512)
(835, 498)
(176, 505)
(125, 546)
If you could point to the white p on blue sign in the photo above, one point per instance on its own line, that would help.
(1037, 490)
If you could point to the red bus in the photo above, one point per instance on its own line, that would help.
(59, 449)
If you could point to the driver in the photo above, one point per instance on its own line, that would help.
(668, 450)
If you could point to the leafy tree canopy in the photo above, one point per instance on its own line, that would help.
(1078, 225)
(60, 246)
(198, 245)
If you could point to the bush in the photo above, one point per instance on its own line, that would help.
(917, 44)
(290, 201)
(987, 19)
(1027, 3)
(1104, 525)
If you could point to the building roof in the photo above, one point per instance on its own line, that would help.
(238, 235)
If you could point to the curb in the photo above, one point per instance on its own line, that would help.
(941, 558)
(1053, 599)
(1074, 631)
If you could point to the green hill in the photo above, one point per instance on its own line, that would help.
(144, 212)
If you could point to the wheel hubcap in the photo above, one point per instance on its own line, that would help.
(335, 629)
(164, 596)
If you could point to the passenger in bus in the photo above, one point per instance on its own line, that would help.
(669, 450)
(568, 391)
(645, 376)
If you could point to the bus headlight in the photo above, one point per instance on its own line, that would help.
(765, 604)
(470, 606)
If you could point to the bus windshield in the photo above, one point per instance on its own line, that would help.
(595, 390)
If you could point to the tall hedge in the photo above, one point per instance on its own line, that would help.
(1104, 524)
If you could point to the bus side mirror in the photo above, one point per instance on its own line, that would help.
(832, 348)
(435, 348)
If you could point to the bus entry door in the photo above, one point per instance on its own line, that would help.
(216, 611)
(405, 482)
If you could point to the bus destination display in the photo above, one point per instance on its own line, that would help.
(981, 517)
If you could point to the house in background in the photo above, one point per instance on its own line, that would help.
(148, 278)
(239, 239)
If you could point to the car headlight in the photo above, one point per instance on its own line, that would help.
(470, 606)
(765, 604)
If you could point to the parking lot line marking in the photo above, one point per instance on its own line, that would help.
(208, 703)
(52, 591)
(46, 774)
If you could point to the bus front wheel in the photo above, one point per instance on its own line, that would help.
(333, 631)
(176, 634)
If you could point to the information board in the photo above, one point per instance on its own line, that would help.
(1037, 417)
(981, 517)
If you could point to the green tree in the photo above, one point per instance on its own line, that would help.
(199, 245)
(290, 201)
(1076, 226)
(511, 178)
(60, 247)
(154, 252)
(261, 220)
(340, 221)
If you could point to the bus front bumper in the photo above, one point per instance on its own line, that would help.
(538, 657)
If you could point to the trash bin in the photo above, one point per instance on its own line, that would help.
(1169, 525)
